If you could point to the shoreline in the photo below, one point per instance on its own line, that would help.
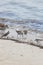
(23, 42)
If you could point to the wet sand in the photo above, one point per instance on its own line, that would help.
(13, 53)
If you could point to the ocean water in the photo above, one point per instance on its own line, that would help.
(23, 9)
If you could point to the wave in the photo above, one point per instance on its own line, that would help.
(30, 23)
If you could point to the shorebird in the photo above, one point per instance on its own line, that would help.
(21, 32)
(25, 32)
(4, 35)
(38, 40)
(3, 27)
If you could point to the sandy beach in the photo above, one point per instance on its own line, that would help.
(13, 53)
(21, 32)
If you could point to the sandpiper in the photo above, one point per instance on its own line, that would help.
(3, 27)
(4, 35)
(21, 32)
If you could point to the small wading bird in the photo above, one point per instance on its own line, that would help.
(20, 32)
(38, 40)
(4, 35)
(25, 32)
(3, 27)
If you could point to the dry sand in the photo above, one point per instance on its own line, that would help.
(13, 53)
